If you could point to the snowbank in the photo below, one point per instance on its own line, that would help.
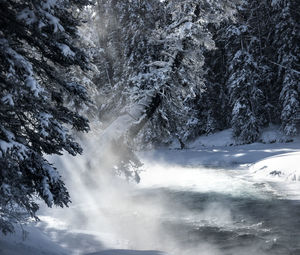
(35, 242)
(272, 134)
(222, 138)
(284, 166)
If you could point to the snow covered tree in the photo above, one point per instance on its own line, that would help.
(285, 39)
(245, 97)
(213, 104)
(248, 76)
(290, 99)
(37, 45)
(261, 52)
(243, 84)
(157, 48)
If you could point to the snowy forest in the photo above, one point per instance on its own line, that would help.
(135, 102)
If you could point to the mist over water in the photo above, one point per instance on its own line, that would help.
(175, 209)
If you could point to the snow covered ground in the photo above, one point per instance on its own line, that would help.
(35, 242)
(282, 166)
(121, 219)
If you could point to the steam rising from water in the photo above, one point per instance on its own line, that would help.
(178, 210)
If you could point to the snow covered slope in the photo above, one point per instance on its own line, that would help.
(276, 156)
(222, 138)
(35, 243)
(285, 166)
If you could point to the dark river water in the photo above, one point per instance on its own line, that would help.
(216, 211)
(231, 225)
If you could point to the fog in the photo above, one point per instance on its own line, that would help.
(174, 209)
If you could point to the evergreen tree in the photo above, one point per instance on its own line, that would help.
(157, 69)
(245, 71)
(213, 103)
(285, 39)
(246, 97)
(37, 45)
(260, 52)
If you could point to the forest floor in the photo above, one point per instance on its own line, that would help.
(128, 219)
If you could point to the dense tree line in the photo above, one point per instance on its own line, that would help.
(185, 68)
(258, 59)
(152, 64)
